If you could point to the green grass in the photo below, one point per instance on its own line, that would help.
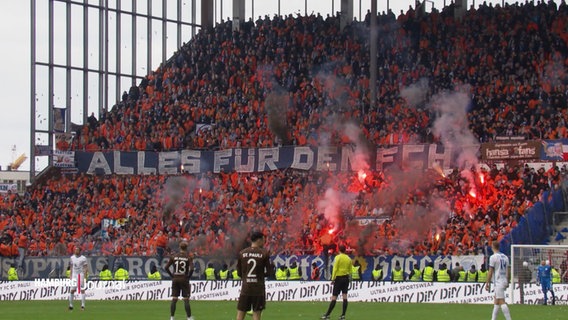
(226, 310)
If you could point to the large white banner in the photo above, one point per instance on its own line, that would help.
(369, 291)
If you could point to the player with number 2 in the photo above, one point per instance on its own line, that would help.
(253, 265)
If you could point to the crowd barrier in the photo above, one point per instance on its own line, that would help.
(363, 291)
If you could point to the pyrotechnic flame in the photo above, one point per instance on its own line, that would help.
(436, 166)
(482, 178)
(472, 193)
(362, 175)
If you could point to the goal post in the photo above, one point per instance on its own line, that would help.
(525, 259)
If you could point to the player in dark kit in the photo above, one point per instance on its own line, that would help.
(253, 265)
(182, 265)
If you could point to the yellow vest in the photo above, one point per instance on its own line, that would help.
(12, 274)
(355, 273)
(443, 275)
(471, 276)
(209, 274)
(236, 275)
(397, 275)
(461, 277)
(105, 275)
(481, 276)
(68, 273)
(555, 276)
(428, 274)
(281, 274)
(121, 274)
(223, 275)
(294, 274)
(377, 274)
(416, 276)
(155, 276)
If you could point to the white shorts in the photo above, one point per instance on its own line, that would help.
(500, 292)
(78, 283)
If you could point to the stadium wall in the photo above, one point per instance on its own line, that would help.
(139, 266)
(364, 291)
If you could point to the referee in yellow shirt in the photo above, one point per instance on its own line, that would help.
(342, 265)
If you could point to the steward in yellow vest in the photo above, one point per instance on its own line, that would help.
(443, 275)
(397, 273)
(294, 272)
(461, 275)
(555, 275)
(224, 272)
(471, 274)
(235, 275)
(121, 274)
(482, 274)
(377, 273)
(356, 271)
(105, 274)
(154, 273)
(428, 273)
(415, 274)
(210, 272)
(282, 273)
(12, 273)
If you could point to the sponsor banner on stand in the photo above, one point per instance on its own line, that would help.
(511, 150)
(5, 187)
(363, 291)
(63, 159)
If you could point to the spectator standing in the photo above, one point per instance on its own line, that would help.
(315, 272)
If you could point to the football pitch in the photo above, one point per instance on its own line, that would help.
(226, 310)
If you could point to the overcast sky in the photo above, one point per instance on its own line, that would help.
(15, 31)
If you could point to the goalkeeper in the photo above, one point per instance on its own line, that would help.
(545, 279)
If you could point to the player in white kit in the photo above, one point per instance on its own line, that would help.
(78, 277)
(500, 274)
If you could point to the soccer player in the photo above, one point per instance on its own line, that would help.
(342, 267)
(253, 265)
(544, 277)
(182, 264)
(500, 274)
(79, 272)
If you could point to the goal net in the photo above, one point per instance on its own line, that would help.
(525, 260)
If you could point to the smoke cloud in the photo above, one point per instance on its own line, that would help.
(416, 93)
(175, 190)
(276, 108)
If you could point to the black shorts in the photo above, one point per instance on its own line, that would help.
(180, 285)
(340, 285)
(256, 303)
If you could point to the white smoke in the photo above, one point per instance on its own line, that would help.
(416, 93)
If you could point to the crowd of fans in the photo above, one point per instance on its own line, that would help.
(310, 74)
